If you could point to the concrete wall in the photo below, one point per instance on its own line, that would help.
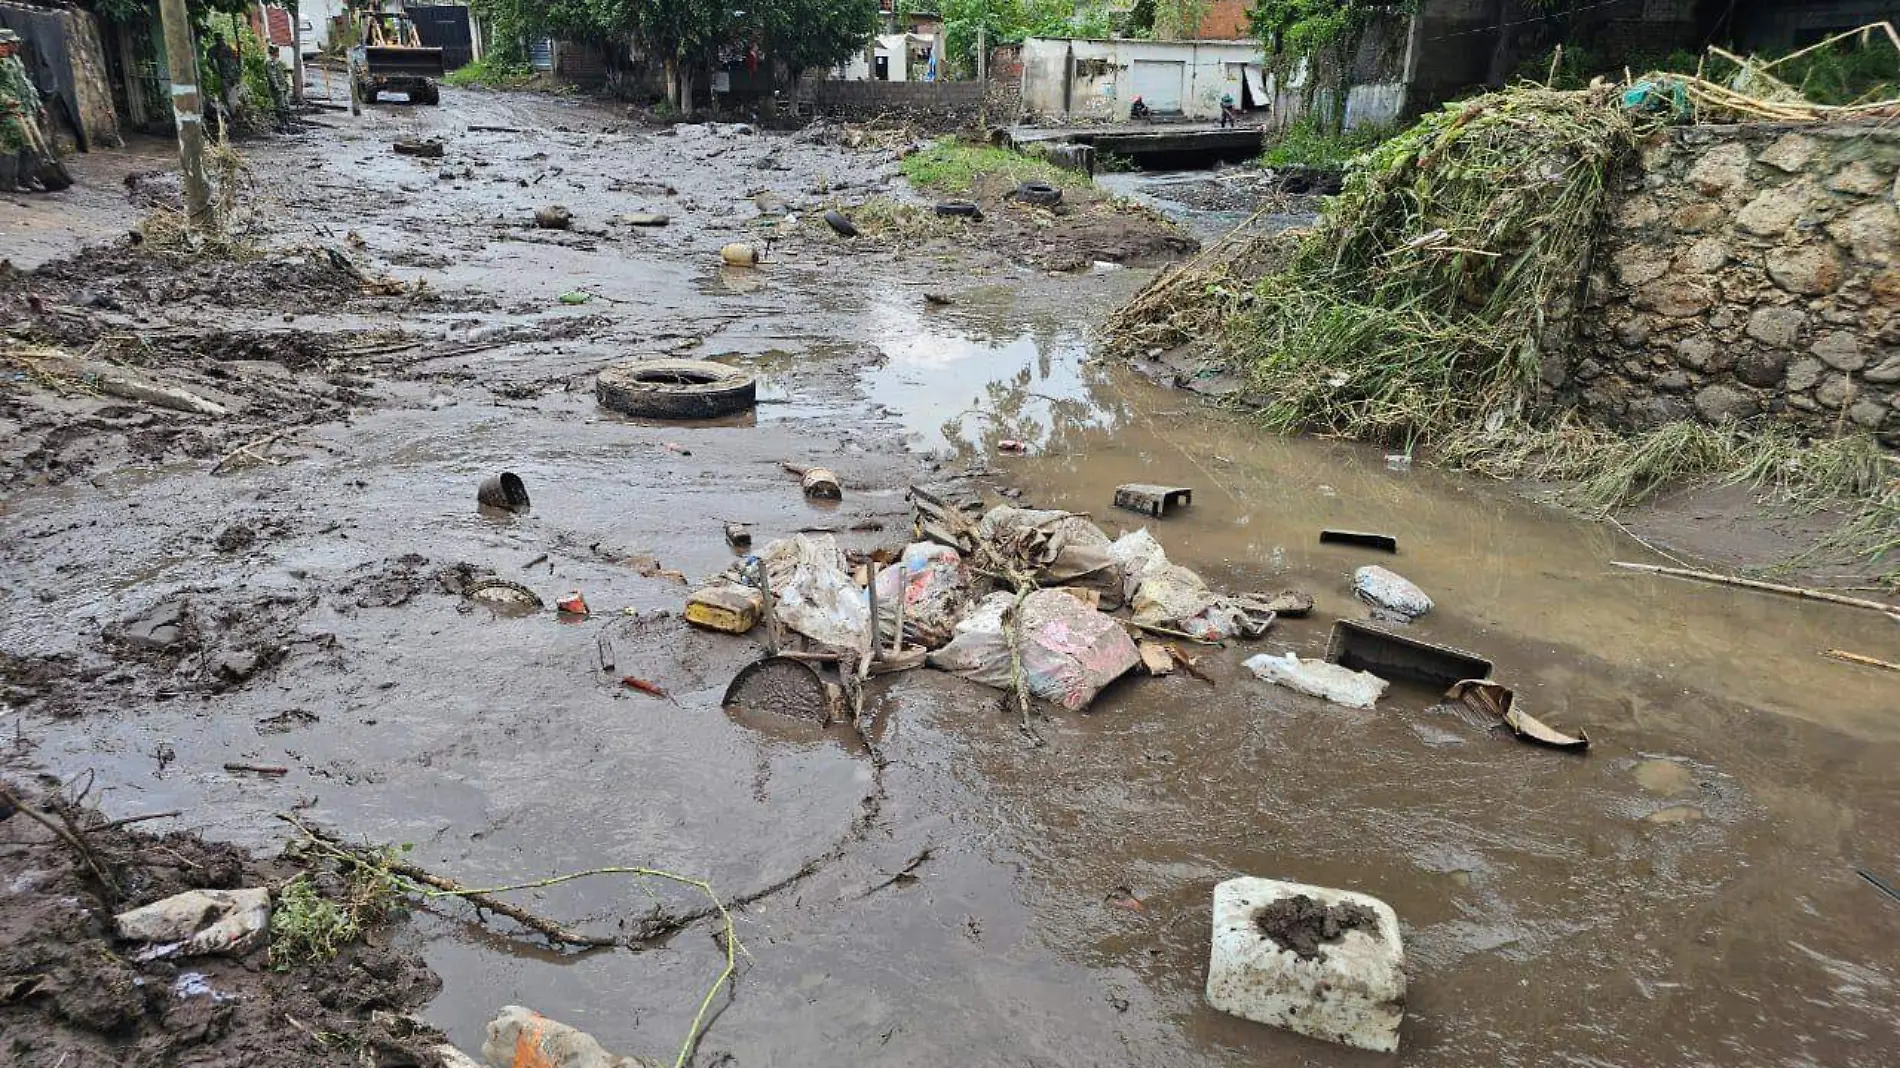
(1748, 272)
(1779, 25)
(1067, 80)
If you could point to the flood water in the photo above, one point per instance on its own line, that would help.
(1684, 893)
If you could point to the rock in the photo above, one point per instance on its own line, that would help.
(553, 217)
(1636, 213)
(1697, 217)
(1761, 367)
(1858, 177)
(1780, 327)
(1637, 265)
(1318, 962)
(1703, 257)
(1872, 231)
(1803, 374)
(198, 921)
(1809, 270)
(1721, 170)
(1886, 373)
(234, 665)
(1697, 353)
(1588, 369)
(234, 537)
(1840, 350)
(1649, 412)
(1868, 413)
(1885, 288)
(1673, 382)
(643, 218)
(161, 629)
(1802, 404)
(1718, 404)
(1773, 211)
(1791, 153)
(1677, 297)
(1633, 333)
(1834, 392)
(1391, 595)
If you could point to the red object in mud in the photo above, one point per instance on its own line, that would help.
(1012, 446)
(573, 604)
(632, 683)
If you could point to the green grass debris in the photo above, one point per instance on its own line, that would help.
(952, 166)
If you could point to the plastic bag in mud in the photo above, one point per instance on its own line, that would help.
(1317, 678)
(935, 587)
(1069, 650)
(1064, 549)
(197, 922)
(812, 591)
(1169, 595)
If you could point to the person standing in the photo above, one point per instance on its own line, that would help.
(230, 74)
(20, 139)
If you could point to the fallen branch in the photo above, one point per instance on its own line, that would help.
(178, 400)
(129, 820)
(66, 834)
(1856, 658)
(1181, 635)
(248, 449)
(1756, 584)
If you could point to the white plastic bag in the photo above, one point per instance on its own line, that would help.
(1069, 651)
(812, 592)
(1317, 678)
(935, 587)
(1169, 595)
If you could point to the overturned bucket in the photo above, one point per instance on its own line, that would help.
(505, 491)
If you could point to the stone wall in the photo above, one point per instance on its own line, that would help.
(1747, 272)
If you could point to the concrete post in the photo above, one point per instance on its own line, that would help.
(181, 55)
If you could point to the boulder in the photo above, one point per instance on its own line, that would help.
(1718, 404)
(1779, 327)
(1789, 154)
(1840, 350)
(1809, 270)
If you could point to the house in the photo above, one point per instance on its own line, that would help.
(1082, 80)
(890, 57)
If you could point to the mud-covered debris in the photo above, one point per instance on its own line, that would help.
(523, 1038)
(198, 922)
(820, 484)
(738, 536)
(1066, 652)
(739, 254)
(642, 218)
(1365, 646)
(1155, 658)
(1391, 596)
(163, 628)
(505, 491)
(939, 300)
(429, 149)
(1151, 500)
(553, 217)
(1292, 604)
(1495, 700)
(572, 605)
(728, 607)
(235, 537)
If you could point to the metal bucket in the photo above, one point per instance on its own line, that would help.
(505, 491)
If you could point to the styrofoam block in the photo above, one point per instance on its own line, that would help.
(1352, 990)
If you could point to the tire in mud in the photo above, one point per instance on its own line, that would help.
(964, 209)
(1037, 194)
(431, 96)
(675, 389)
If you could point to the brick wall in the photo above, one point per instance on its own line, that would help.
(1225, 20)
(1748, 272)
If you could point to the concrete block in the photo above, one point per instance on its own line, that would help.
(1318, 962)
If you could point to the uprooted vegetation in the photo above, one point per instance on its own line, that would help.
(1420, 309)
(952, 166)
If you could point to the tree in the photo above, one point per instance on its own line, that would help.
(1009, 21)
(813, 34)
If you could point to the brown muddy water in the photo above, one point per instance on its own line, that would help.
(1685, 893)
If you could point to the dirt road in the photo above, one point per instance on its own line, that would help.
(1685, 893)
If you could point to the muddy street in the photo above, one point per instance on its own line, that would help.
(1685, 892)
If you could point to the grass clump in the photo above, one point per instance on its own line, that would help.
(1305, 144)
(309, 925)
(885, 219)
(1420, 303)
(489, 73)
(951, 166)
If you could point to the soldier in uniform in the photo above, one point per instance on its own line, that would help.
(20, 138)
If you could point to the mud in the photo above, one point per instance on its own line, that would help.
(500, 749)
(1303, 925)
(71, 993)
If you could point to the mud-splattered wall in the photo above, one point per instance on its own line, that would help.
(1747, 272)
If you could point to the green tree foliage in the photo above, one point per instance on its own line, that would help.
(1009, 21)
(1327, 33)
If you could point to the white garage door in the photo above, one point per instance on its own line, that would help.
(1158, 83)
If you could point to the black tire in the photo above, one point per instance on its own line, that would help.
(1038, 194)
(675, 389)
(838, 222)
(960, 208)
(430, 96)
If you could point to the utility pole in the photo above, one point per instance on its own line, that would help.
(181, 56)
(296, 53)
(982, 53)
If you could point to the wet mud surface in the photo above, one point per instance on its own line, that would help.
(936, 896)
(1303, 925)
(72, 993)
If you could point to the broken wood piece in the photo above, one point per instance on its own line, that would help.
(1496, 700)
(112, 383)
(1189, 664)
(1361, 538)
(1166, 632)
(1756, 584)
(1856, 658)
(268, 770)
(1155, 658)
(249, 449)
(892, 663)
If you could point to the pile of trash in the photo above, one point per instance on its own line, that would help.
(1023, 600)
